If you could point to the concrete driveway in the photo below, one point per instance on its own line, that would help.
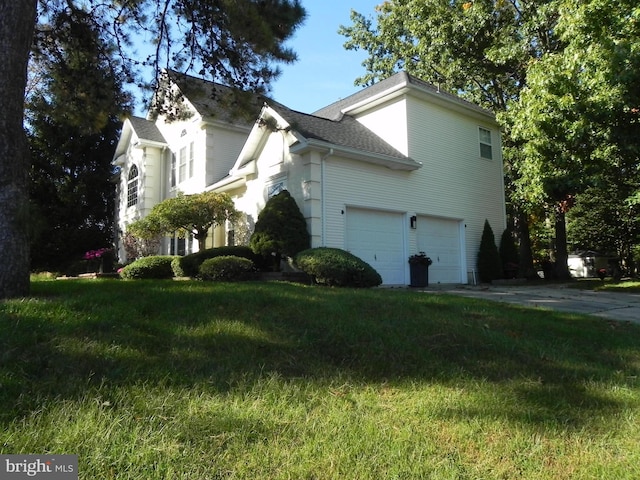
(610, 305)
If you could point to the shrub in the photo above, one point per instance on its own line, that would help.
(489, 263)
(226, 268)
(335, 267)
(157, 266)
(280, 230)
(189, 265)
(508, 254)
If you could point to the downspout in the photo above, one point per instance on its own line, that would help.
(322, 199)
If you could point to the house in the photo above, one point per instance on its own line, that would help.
(397, 168)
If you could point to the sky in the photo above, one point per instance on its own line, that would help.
(325, 70)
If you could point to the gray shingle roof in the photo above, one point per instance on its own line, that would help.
(347, 132)
(217, 101)
(146, 130)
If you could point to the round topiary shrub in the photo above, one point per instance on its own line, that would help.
(189, 265)
(155, 266)
(226, 269)
(336, 267)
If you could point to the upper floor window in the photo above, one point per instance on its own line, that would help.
(132, 186)
(486, 150)
(182, 165)
(191, 159)
(172, 171)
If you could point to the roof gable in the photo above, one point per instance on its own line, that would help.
(212, 101)
(144, 130)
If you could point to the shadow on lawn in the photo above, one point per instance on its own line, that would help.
(208, 337)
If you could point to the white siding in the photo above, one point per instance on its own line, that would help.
(222, 147)
(389, 122)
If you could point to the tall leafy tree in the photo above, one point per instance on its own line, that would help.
(73, 125)
(579, 114)
(479, 49)
(238, 42)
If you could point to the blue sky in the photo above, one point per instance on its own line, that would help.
(325, 71)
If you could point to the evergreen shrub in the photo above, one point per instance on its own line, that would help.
(280, 230)
(336, 267)
(226, 269)
(189, 265)
(489, 263)
(155, 266)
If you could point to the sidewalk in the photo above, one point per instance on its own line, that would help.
(610, 305)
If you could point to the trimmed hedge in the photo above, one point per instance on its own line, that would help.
(189, 265)
(155, 266)
(226, 269)
(336, 267)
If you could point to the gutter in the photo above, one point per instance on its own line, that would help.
(393, 163)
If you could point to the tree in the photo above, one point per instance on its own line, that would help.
(236, 42)
(17, 20)
(280, 229)
(72, 142)
(489, 262)
(579, 115)
(479, 49)
(509, 254)
(187, 215)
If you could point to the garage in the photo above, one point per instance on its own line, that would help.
(440, 239)
(377, 237)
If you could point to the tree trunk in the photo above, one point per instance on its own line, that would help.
(17, 20)
(562, 254)
(525, 253)
(201, 238)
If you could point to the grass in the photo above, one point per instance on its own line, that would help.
(608, 284)
(189, 380)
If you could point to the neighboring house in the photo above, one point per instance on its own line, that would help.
(585, 264)
(399, 167)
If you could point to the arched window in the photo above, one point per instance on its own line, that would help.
(132, 186)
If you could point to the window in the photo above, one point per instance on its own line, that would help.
(132, 186)
(275, 188)
(182, 165)
(180, 245)
(191, 159)
(485, 143)
(172, 179)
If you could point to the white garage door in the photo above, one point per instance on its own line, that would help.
(378, 239)
(439, 238)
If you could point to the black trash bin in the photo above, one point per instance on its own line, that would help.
(419, 270)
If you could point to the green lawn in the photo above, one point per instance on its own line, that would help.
(610, 285)
(190, 380)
